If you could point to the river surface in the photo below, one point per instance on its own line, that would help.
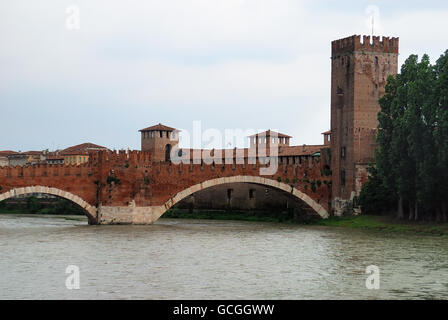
(203, 259)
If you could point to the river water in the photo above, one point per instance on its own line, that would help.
(202, 259)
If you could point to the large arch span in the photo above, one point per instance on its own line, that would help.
(89, 210)
(319, 209)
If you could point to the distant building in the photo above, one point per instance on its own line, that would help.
(327, 137)
(26, 158)
(79, 154)
(4, 161)
(54, 158)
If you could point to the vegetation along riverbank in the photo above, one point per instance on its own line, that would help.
(368, 222)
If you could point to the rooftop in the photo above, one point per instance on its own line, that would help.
(270, 133)
(158, 127)
(5, 153)
(285, 151)
(82, 148)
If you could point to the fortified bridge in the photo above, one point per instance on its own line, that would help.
(130, 188)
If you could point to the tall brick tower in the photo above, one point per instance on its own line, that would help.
(359, 72)
(159, 140)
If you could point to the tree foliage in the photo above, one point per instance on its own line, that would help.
(411, 163)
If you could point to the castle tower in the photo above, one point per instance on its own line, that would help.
(359, 71)
(159, 140)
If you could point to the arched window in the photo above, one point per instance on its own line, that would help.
(168, 152)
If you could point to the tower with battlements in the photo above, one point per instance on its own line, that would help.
(159, 140)
(359, 70)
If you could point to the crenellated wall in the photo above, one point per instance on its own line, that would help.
(366, 43)
(127, 187)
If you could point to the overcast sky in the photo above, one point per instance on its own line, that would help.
(255, 64)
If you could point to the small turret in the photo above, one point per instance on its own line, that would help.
(159, 140)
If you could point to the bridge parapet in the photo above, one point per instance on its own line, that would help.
(129, 178)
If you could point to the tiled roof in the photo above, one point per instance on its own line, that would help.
(158, 127)
(300, 150)
(82, 149)
(269, 133)
(55, 157)
(5, 153)
(326, 132)
(284, 151)
(32, 153)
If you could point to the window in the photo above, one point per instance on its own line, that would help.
(339, 91)
(342, 152)
(342, 177)
(229, 195)
(251, 193)
(161, 134)
(168, 152)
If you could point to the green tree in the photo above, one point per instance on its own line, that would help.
(411, 164)
(441, 133)
(33, 204)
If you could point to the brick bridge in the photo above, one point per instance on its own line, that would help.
(127, 187)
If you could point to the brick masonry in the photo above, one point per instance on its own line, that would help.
(358, 79)
(128, 187)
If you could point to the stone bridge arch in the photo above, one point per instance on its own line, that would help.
(89, 210)
(319, 209)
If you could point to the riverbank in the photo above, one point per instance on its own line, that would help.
(367, 222)
(386, 223)
(42, 213)
(225, 215)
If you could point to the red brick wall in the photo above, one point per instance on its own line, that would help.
(149, 183)
(358, 79)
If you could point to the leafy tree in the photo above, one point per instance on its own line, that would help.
(411, 164)
(33, 204)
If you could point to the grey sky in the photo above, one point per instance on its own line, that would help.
(231, 64)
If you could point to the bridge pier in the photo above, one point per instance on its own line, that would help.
(129, 215)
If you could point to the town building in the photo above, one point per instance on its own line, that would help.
(78, 154)
(26, 158)
(4, 161)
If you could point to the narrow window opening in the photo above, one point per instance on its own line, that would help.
(343, 152)
(251, 193)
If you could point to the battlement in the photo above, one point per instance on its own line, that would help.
(365, 43)
(120, 156)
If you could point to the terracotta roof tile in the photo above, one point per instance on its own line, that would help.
(82, 149)
(7, 152)
(269, 133)
(158, 127)
(284, 151)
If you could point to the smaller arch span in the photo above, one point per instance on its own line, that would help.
(89, 210)
(319, 209)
